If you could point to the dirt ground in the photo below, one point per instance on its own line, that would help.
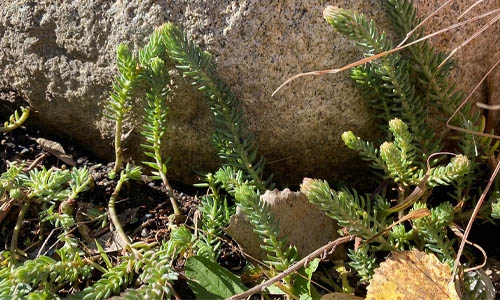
(143, 208)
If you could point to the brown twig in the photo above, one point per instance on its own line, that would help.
(295, 267)
(473, 217)
(492, 178)
(465, 102)
(371, 58)
(469, 9)
(422, 23)
(456, 230)
(472, 37)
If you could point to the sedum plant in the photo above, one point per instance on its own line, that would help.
(154, 280)
(16, 120)
(407, 161)
(368, 217)
(156, 78)
(215, 215)
(234, 142)
(242, 176)
(280, 254)
(119, 104)
(385, 81)
(54, 191)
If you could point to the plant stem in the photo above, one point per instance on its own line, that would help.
(118, 140)
(170, 192)
(114, 217)
(17, 229)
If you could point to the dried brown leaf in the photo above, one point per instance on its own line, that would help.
(412, 275)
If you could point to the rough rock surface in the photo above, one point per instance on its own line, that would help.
(303, 224)
(60, 56)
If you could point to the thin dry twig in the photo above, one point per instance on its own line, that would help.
(456, 230)
(371, 58)
(472, 37)
(422, 23)
(471, 220)
(492, 178)
(318, 252)
(465, 102)
(469, 9)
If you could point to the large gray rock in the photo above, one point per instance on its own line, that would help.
(60, 56)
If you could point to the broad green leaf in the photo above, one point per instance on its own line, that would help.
(302, 283)
(209, 280)
(310, 269)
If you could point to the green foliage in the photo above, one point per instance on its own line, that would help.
(16, 120)
(363, 261)
(280, 255)
(41, 187)
(432, 229)
(11, 182)
(45, 273)
(119, 104)
(397, 159)
(156, 113)
(180, 243)
(430, 81)
(368, 218)
(156, 277)
(152, 274)
(495, 205)
(400, 237)
(157, 79)
(302, 285)
(234, 142)
(46, 185)
(359, 215)
(209, 280)
(386, 81)
(111, 282)
(401, 88)
(215, 215)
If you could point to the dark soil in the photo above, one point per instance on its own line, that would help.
(143, 206)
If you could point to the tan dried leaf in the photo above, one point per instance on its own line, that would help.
(412, 275)
(57, 150)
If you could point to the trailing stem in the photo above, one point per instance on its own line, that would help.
(17, 229)
(125, 175)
